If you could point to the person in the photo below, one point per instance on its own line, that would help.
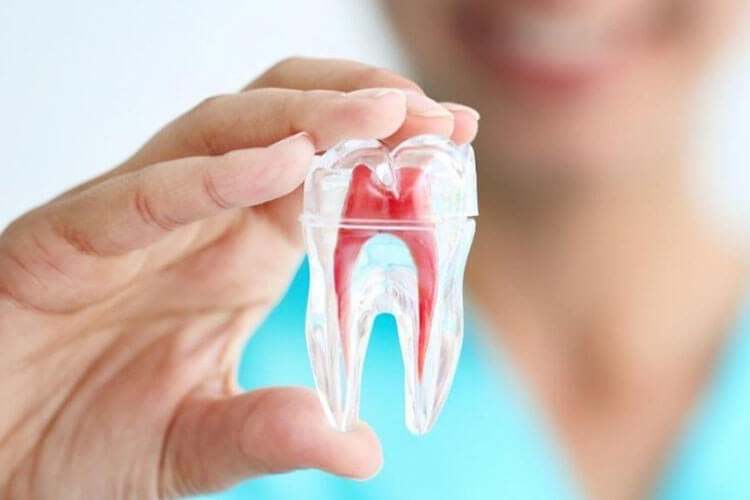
(608, 346)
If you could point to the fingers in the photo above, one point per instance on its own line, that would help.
(133, 210)
(424, 116)
(465, 122)
(334, 74)
(215, 443)
(264, 116)
(52, 254)
(271, 114)
(378, 104)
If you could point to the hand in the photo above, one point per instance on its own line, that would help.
(125, 302)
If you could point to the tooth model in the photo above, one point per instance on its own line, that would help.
(388, 231)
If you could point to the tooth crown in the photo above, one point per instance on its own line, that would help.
(447, 170)
(388, 231)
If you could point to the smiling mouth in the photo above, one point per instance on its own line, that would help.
(550, 51)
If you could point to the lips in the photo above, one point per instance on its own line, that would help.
(555, 49)
(407, 200)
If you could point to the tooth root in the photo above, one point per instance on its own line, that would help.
(348, 246)
(415, 333)
(336, 339)
(430, 359)
(421, 245)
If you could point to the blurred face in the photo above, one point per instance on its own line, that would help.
(567, 89)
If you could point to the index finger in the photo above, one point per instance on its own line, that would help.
(344, 75)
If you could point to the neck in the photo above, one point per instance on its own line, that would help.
(611, 277)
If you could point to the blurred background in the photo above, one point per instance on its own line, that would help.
(84, 83)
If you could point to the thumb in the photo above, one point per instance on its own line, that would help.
(214, 443)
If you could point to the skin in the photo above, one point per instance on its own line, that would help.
(601, 278)
(125, 302)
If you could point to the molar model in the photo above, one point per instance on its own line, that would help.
(388, 231)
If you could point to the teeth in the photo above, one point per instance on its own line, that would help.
(560, 41)
(388, 264)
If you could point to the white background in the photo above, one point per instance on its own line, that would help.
(83, 83)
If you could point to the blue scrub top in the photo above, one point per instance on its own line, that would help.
(489, 442)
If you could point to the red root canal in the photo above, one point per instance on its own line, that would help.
(368, 198)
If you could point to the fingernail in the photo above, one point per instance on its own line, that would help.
(294, 138)
(452, 106)
(376, 93)
(421, 105)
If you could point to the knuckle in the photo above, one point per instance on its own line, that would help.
(295, 102)
(212, 193)
(294, 108)
(29, 262)
(149, 213)
(209, 103)
(289, 62)
(178, 475)
(205, 125)
(79, 241)
(274, 76)
(71, 235)
(15, 273)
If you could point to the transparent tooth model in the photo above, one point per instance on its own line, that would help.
(388, 231)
